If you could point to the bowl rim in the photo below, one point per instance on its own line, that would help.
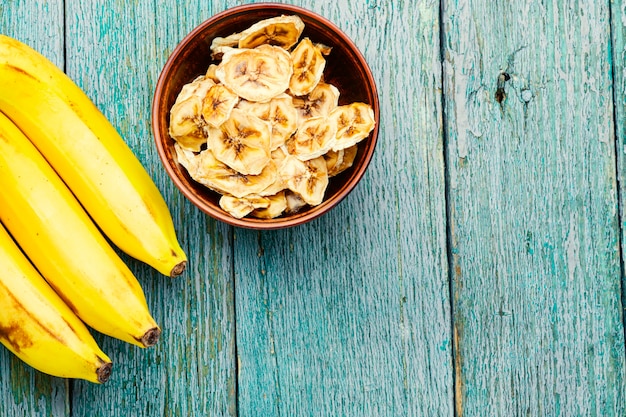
(295, 219)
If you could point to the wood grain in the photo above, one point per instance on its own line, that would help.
(533, 209)
(475, 270)
(115, 51)
(349, 315)
(23, 390)
(618, 49)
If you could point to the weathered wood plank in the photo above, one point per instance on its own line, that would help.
(618, 32)
(533, 204)
(23, 390)
(349, 315)
(115, 51)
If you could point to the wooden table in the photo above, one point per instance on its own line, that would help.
(477, 269)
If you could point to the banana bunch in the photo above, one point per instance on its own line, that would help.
(69, 182)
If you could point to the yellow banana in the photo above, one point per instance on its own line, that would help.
(38, 327)
(64, 244)
(90, 156)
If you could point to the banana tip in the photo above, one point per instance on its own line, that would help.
(104, 372)
(178, 269)
(151, 337)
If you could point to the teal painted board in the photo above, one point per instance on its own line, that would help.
(349, 315)
(533, 209)
(23, 390)
(115, 51)
(618, 32)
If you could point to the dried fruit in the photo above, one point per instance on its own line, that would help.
(242, 142)
(258, 74)
(354, 123)
(308, 67)
(282, 31)
(261, 127)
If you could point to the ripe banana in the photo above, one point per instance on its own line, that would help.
(90, 156)
(64, 244)
(38, 327)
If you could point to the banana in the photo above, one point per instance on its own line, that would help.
(67, 248)
(38, 327)
(89, 154)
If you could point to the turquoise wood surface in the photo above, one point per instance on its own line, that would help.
(476, 270)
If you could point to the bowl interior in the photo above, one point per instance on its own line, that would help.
(345, 68)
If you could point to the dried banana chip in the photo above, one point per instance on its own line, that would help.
(242, 142)
(314, 138)
(258, 74)
(276, 207)
(278, 157)
(241, 207)
(210, 73)
(254, 108)
(318, 103)
(308, 67)
(283, 120)
(218, 104)
(207, 170)
(294, 202)
(354, 123)
(333, 160)
(186, 124)
(219, 44)
(282, 31)
(198, 87)
(307, 178)
(347, 159)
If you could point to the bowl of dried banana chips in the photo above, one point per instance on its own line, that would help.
(266, 116)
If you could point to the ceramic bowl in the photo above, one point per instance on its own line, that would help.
(345, 68)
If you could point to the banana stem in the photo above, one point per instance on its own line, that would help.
(151, 337)
(178, 269)
(104, 372)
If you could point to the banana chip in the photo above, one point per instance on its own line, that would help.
(219, 45)
(308, 67)
(204, 168)
(354, 123)
(283, 31)
(294, 202)
(217, 105)
(314, 138)
(261, 127)
(308, 179)
(318, 103)
(197, 87)
(186, 124)
(241, 207)
(258, 74)
(347, 158)
(242, 142)
(277, 205)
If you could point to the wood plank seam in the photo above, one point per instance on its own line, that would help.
(618, 131)
(456, 358)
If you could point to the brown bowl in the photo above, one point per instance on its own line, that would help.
(345, 68)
